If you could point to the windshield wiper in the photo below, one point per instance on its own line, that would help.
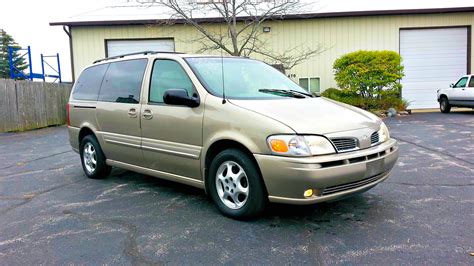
(291, 93)
(303, 93)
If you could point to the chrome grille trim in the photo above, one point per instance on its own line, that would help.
(345, 144)
(360, 159)
(374, 138)
(352, 185)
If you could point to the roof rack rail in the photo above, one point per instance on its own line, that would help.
(137, 53)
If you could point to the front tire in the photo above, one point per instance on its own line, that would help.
(93, 159)
(444, 105)
(235, 185)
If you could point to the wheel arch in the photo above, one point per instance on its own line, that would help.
(441, 96)
(84, 131)
(220, 145)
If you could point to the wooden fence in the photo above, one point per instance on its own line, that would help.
(26, 105)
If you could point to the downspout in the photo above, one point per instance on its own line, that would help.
(67, 30)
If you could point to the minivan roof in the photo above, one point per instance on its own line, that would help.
(152, 54)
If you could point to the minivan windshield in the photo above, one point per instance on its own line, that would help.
(244, 78)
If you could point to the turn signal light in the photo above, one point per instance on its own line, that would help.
(278, 145)
(308, 193)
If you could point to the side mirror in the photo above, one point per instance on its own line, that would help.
(180, 97)
(452, 85)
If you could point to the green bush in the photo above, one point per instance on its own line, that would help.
(369, 73)
(369, 80)
(374, 104)
(331, 93)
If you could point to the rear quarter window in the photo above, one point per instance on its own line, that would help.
(87, 86)
(123, 81)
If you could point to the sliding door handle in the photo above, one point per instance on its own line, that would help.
(147, 114)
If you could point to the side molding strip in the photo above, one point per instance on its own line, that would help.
(122, 143)
(182, 154)
(84, 107)
(159, 174)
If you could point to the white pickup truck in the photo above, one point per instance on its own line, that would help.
(460, 94)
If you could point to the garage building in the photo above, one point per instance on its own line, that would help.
(435, 44)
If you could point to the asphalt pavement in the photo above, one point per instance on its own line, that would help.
(50, 213)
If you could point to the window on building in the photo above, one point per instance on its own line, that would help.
(123, 81)
(168, 74)
(314, 85)
(88, 85)
(304, 83)
(310, 84)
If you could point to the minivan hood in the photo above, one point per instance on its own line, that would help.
(312, 115)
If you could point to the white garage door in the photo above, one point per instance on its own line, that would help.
(120, 47)
(433, 59)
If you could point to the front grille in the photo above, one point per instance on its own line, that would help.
(345, 144)
(374, 138)
(352, 185)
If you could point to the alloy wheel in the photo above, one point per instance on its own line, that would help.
(90, 157)
(232, 185)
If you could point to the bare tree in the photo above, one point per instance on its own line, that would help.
(240, 30)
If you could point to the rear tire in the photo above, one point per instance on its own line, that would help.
(93, 159)
(444, 105)
(235, 185)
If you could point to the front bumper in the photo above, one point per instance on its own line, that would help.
(330, 176)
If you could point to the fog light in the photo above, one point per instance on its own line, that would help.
(308, 193)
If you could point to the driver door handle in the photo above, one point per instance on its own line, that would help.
(147, 114)
(132, 113)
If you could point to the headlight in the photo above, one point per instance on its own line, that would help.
(384, 135)
(294, 145)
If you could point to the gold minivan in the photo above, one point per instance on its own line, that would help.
(236, 127)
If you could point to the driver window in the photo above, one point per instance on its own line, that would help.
(168, 74)
(471, 82)
(461, 83)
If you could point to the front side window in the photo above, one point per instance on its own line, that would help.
(168, 74)
(88, 84)
(123, 81)
(243, 78)
(461, 83)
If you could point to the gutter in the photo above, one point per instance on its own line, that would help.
(398, 12)
(67, 30)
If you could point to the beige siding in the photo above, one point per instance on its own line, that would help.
(337, 35)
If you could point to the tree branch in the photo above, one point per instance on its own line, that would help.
(243, 21)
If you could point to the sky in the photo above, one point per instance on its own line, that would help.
(31, 25)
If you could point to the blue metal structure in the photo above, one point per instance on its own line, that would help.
(16, 73)
(57, 70)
